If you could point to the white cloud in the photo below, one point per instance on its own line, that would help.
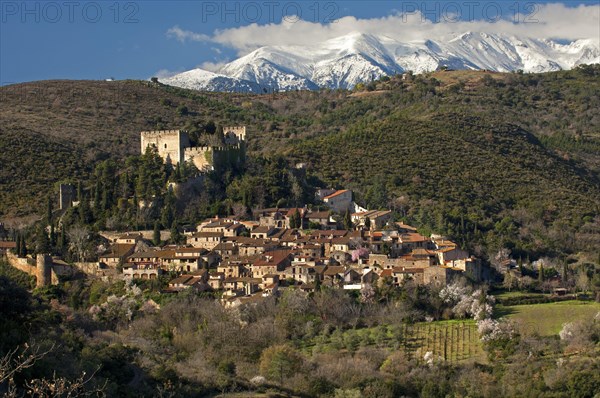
(182, 35)
(550, 21)
(212, 66)
(164, 73)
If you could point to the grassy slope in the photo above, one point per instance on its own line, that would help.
(547, 319)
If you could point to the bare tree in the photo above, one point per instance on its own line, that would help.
(17, 360)
(79, 237)
(583, 280)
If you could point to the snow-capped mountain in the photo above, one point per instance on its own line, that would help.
(345, 61)
(203, 80)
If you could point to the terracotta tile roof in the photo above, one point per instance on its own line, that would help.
(318, 215)
(404, 270)
(181, 280)
(336, 193)
(117, 250)
(334, 270)
(146, 254)
(413, 237)
(130, 235)
(206, 234)
(386, 272)
(199, 250)
(329, 233)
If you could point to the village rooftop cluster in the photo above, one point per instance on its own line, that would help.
(248, 260)
(277, 249)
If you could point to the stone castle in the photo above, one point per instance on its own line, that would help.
(174, 147)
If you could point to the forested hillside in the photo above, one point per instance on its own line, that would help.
(492, 159)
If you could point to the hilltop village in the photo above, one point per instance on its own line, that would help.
(338, 244)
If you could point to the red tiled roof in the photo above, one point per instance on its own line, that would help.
(336, 193)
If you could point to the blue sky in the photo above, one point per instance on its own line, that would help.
(139, 39)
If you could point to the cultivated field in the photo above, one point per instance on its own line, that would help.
(453, 341)
(547, 319)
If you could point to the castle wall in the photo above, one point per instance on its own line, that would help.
(202, 157)
(22, 264)
(174, 145)
(170, 143)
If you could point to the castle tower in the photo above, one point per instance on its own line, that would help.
(169, 143)
(234, 135)
(43, 270)
(66, 195)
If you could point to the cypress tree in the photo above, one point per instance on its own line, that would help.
(49, 212)
(175, 235)
(79, 191)
(97, 199)
(23, 247)
(52, 236)
(298, 218)
(61, 241)
(156, 237)
(85, 213)
(317, 283)
(347, 220)
(18, 247)
(42, 243)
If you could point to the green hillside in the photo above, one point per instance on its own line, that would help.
(502, 159)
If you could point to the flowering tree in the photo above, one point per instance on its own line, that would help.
(361, 252)
(118, 309)
(476, 304)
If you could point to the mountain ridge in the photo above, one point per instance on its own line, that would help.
(345, 61)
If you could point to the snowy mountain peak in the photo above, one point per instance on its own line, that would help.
(345, 61)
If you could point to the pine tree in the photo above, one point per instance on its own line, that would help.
(541, 273)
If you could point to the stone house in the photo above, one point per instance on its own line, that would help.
(130, 238)
(197, 281)
(377, 218)
(321, 218)
(339, 201)
(303, 273)
(206, 240)
(271, 263)
(116, 254)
